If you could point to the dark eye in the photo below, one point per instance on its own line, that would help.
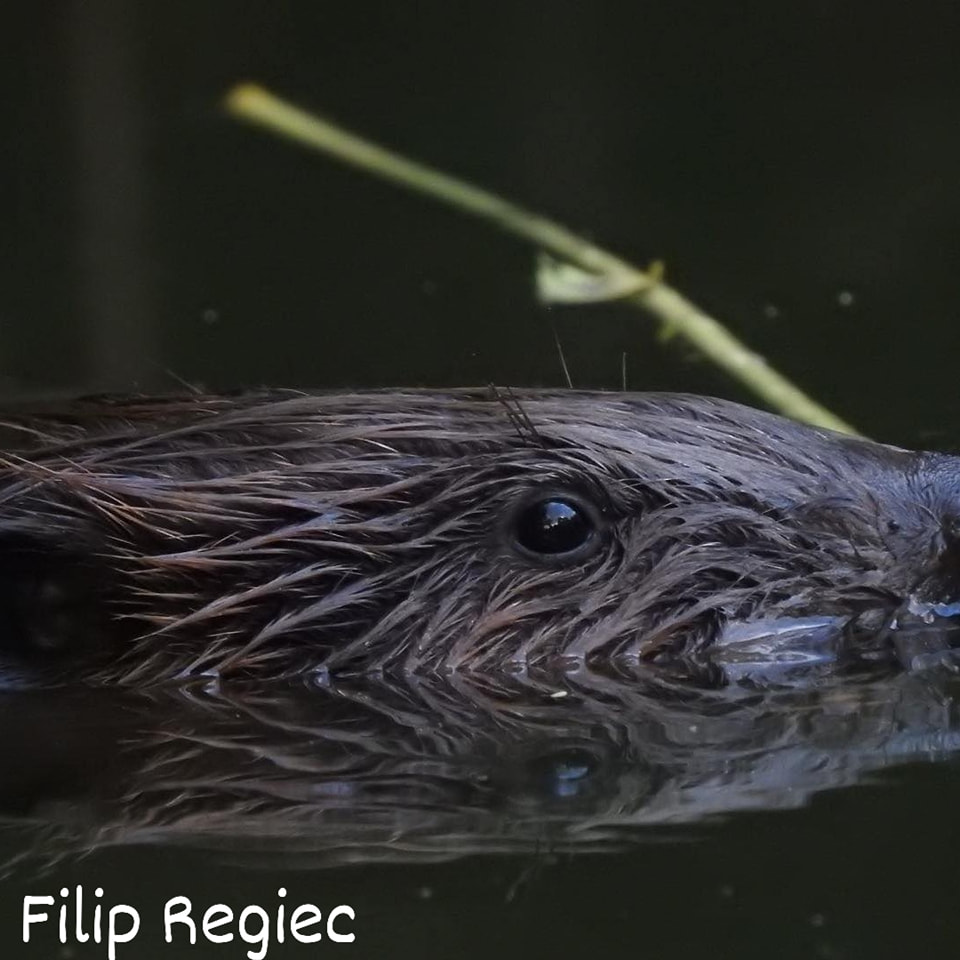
(555, 527)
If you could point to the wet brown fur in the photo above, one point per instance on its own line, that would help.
(276, 533)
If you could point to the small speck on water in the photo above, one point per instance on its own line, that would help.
(727, 891)
(210, 316)
(817, 920)
(428, 288)
(771, 311)
(845, 298)
(425, 893)
(559, 694)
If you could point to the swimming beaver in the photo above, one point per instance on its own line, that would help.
(276, 533)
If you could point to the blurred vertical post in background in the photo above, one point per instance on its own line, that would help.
(115, 283)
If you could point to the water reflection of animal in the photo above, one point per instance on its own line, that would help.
(420, 532)
(370, 771)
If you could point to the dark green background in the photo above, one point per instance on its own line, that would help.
(774, 154)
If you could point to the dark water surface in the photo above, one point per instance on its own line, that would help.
(795, 166)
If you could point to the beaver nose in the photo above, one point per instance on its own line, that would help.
(935, 593)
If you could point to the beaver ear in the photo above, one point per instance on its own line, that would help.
(48, 591)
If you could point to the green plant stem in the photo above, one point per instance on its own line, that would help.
(256, 105)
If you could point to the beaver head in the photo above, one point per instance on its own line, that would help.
(276, 533)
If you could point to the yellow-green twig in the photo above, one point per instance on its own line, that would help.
(257, 105)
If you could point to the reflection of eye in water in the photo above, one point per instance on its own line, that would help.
(565, 778)
(568, 774)
(387, 771)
